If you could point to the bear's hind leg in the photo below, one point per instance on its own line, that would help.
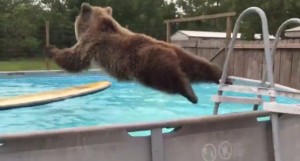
(160, 70)
(169, 81)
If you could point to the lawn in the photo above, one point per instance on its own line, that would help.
(26, 64)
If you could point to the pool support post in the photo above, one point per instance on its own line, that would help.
(157, 145)
(47, 42)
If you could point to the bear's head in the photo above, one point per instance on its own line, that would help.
(92, 19)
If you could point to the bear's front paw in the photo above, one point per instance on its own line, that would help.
(49, 51)
(228, 81)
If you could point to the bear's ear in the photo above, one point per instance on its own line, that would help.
(109, 10)
(85, 8)
(107, 25)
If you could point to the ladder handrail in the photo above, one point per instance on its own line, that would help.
(268, 74)
(276, 41)
(266, 40)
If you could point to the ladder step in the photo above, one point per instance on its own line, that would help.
(247, 89)
(243, 100)
(282, 108)
(289, 94)
(259, 91)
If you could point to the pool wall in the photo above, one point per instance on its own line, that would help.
(234, 137)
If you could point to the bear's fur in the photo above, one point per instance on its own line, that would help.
(131, 56)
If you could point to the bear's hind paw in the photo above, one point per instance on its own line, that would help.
(193, 99)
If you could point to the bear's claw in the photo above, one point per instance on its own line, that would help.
(48, 50)
(193, 99)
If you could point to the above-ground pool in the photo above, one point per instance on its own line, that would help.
(123, 102)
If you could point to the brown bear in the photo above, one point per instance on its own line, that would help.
(129, 56)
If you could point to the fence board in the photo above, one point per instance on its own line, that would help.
(231, 64)
(295, 75)
(285, 67)
(220, 60)
(259, 60)
(250, 60)
(277, 60)
(255, 63)
(191, 50)
(239, 63)
(201, 50)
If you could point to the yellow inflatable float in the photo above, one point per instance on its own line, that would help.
(52, 96)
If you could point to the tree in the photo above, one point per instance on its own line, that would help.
(19, 28)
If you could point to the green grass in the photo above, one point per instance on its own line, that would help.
(26, 64)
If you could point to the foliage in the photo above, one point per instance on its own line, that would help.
(144, 16)
(20, 28)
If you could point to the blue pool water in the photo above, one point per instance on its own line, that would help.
(121, 103)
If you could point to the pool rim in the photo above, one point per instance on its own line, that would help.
(135, 127)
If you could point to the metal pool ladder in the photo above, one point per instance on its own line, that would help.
(266, 89)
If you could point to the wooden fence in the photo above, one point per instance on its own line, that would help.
(248, 58)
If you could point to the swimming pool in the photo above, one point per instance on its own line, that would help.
(123, 102)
